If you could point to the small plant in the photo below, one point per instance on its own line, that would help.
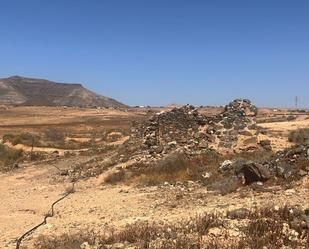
(24, 138)
(8, 157)
(265, 228)
(54, 135)
(299, 136)
(175, 167)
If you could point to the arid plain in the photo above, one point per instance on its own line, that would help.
(144, 179)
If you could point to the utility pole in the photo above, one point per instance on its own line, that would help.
(296, 102)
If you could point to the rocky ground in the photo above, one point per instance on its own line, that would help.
(254, 168)
(95, 206)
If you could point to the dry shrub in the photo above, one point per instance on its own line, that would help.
(54, 135)
(8, 156)
(65, 241)
(139, 235)
(178, 167)
(299, 136)
(175, 167)
(202, 223)
(264, 229)
(37, 156)
(23, 138)
(172, 168)
(172, 163)
(137, 232)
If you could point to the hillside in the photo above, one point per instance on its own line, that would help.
(18, 90)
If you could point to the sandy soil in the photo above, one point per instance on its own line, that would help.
(27, 193)
(31, 191)
(278, 132)
(73, 120)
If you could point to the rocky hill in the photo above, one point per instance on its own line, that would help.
(26, 91)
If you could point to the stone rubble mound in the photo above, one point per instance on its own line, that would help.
(173, 127)
(290, 164)
(241, 107)
(236, 119)
(187, 129)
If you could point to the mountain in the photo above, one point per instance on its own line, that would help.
(18, 90)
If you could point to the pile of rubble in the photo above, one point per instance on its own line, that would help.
(236, 119)
(186, 129)
(290, 164)
(167, 130)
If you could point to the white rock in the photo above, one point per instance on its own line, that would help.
(290, 192)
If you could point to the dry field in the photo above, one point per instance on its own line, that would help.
(127, 212)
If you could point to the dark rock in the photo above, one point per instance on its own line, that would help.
(289, 163)
(203, 144)
(265, 144)
(252, 172)
(64, 172)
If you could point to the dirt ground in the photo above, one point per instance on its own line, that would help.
(80, 120)
(28, 192)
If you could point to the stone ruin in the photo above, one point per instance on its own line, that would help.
(236, 119)
(187, 129)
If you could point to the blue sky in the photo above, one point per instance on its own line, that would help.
(160, 52)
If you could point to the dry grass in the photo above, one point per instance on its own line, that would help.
(50, 138)
(55, 136)
(175, 167)
(299, 136)
(179, 167)
(264, 228)
(8, 157)
(22, 138)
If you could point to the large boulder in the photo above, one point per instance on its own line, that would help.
(252, 171)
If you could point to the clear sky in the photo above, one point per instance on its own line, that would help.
(157, 52)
